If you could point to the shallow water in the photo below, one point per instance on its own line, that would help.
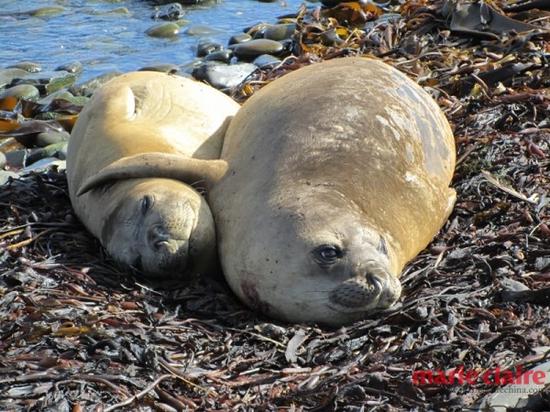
(103, 40)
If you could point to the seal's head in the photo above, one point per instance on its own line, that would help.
(329, 265)
(162, 227)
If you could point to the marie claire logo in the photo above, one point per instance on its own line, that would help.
(491, 377)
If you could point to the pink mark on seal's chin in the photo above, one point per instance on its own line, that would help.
(253, 298)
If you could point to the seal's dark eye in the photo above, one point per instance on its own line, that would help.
(146, 203)
(327, 254)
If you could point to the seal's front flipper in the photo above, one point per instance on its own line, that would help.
(159, 165)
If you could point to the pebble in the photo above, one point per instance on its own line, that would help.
(46, 11)
(48, 82)
(88, 87)
(221, 56)
(200, 30)
(2, 160)
(163, 30)
(22, 91)
(45, 139)
(7, 75)
(74, 67)
(16, 158)
(162, 68)
(265, 61)
(224, 76)
(206, 47)
(57, 150)
(279, 31)
(257, 47)
(28, 66)
(239, 38)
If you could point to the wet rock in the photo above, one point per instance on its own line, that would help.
(266, 61)
(331, 3)
(5, 176)
(22, 91)
(224, 76)
(57, 150)
(279, 31)
(16, 158)
(257, 47)
(207, 47)
(162, 68)
(48, 82)
(9, 145)
(239, 38)
(74, 67)
(221, 56)
(28, 66)
(45, 139)
(88, 87)
(169, 12)
(7, 75)
(163, 30)
(2, 160)
(46, 11)
(64, 95)
(200, 30)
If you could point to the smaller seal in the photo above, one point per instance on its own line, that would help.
(158, 225)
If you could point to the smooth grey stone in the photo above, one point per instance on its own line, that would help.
(3, 160)
(330, 38)
(16, 158)
(542, 263)
(162, 68)
(48, 82)
(257, 47)
(239, 38)
(222, 76)
(30, 67)
(74, 67)
(206, 47)
(279, 31)
(88, 87)
(45, 139)
(5, 176)
(46, 11)
(22, 91)
(221, 56)
(266, 61)
(200, 30)
(163, 30)
(57, 150)
(7, 75)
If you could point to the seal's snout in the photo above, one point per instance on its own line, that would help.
(373, 288)
(158, 237)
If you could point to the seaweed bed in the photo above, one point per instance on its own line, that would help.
(77, 333)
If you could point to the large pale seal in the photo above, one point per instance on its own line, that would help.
(332, 178)
(162, 226)
(338, 175)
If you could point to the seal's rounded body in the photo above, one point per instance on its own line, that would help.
(160, 225)
(338, 175)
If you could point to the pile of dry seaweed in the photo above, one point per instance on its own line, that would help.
(75, 332)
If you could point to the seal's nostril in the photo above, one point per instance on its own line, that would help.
(157, 237)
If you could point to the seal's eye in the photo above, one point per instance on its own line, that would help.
(146, 203)
(327, 254)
